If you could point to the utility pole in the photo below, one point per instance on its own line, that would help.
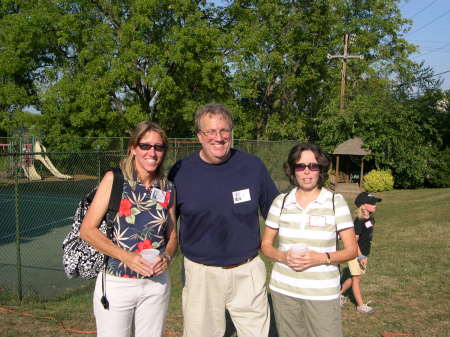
(344, 58)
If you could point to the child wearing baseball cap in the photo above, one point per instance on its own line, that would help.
(364, 222)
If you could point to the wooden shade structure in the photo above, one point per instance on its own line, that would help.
(351, 147)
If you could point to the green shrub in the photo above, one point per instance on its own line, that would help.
(377, 181)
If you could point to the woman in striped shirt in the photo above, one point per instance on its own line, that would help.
(305, 280)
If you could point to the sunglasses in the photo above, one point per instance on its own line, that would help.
(311, 166)
(147, 147)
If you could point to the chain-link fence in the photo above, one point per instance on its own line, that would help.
(39, 192)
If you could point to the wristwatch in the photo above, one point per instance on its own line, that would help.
(328, 261)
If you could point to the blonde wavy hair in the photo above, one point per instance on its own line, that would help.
(127, 164)
(361, 213)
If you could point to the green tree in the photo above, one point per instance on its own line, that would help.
(26, 48)
(132, 60)
(403, 135)
(95, 68)
(433, 113)
(277, 60)
(281, 74)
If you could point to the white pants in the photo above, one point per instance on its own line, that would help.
(209, 291)
(137, 307)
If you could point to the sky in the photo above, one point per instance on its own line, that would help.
(431, 33)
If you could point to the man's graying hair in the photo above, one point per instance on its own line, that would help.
(212, 109)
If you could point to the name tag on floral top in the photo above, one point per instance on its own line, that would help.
(368, 224)
(157, 194)
(317, 221)
(241, 196)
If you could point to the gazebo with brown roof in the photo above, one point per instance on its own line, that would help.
(352, 147)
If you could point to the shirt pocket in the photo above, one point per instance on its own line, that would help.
(244, 208)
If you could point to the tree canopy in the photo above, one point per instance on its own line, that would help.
(97, 67)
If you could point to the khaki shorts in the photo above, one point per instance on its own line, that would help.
(355, 267)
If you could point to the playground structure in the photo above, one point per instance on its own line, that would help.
(38, 153)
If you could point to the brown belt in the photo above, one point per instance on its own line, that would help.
(238, 264)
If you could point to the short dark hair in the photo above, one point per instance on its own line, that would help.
(296, 153)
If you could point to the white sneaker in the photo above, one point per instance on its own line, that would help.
(365, 309)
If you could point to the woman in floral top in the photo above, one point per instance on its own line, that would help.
(138, 292)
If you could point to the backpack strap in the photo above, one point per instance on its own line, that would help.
(282, 203)
(113, 208)
(116, 191)
(334, 210)
(337, 235)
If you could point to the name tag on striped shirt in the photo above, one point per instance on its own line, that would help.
(317, 221)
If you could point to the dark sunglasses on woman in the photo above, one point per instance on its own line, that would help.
(147, 147)
(311, 166)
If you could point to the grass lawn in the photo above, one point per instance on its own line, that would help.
(407, 281)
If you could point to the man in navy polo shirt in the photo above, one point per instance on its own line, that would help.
(219, 193)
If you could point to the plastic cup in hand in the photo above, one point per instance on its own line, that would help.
(150, 255)
(299, 248)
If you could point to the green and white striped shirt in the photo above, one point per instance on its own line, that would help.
(315, 226)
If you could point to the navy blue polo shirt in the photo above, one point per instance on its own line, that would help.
(218, 207)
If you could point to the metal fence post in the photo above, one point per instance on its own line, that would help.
(18, 226)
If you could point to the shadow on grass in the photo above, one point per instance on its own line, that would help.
(231, 330)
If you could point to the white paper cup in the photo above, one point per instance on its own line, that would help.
(150, 254)
(299, 248)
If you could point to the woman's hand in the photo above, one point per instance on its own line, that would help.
(364, 261)
(137, 263)
(301, 261)
(293, 260)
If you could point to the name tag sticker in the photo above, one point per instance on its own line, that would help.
(368, 224)
(241, 196)
(157, 194)
(317, 221)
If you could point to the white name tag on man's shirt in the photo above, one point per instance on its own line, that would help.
(157, 194)
(241, 196)
(368, 224)
(317, 221)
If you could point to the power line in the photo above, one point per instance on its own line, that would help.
(423, 9)
(444, 72)
(403, 4)
(427, 41)
(429, 23)
(435, 49)
(423, 78)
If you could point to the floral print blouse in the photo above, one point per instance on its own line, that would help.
(141, 223)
